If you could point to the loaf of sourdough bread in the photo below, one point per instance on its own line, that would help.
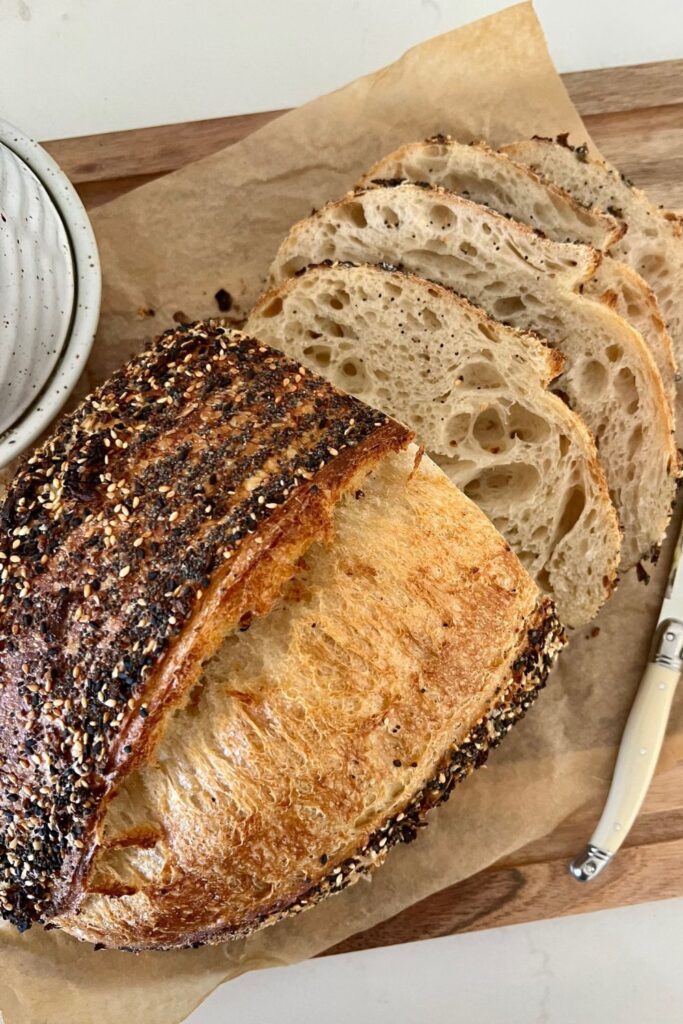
(249, 639)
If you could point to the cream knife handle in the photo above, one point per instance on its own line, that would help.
(638, 754)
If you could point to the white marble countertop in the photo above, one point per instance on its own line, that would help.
(612, 966)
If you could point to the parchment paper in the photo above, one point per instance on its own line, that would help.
(170, 246)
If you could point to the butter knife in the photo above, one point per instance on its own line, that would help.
(644, 733)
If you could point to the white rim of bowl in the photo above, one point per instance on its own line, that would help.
(58, 258)
(88, 294)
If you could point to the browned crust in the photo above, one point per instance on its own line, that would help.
(614, 228)
(675, 219)
(198, 460)
(539, 643)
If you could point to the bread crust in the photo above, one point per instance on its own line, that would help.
(543, 638)
(540, 640)
(131, 544)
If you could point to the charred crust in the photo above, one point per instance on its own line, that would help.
(581, 151)
(110, 536)
(642, 574)
(223, 300)
(388, 182)
(545, 637)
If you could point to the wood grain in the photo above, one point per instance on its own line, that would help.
(151, 150)
(534, 883)
(635, 115)
(647, 146)
(643, 102)
(95, 193)
(609, 90)
(514, 895)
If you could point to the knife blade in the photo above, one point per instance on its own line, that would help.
(672, 604)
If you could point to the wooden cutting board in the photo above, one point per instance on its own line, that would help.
(635, 115)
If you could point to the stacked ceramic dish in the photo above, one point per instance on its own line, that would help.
(49, 290)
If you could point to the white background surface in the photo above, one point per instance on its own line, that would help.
(73, 67)
(614, 966)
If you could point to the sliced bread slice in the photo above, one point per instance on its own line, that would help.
(485, 176)
(476, 393)
(610, 377)
(653, 243)
(492, 178)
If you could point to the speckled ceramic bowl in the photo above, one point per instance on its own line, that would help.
(49, 290)
(36, 287)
